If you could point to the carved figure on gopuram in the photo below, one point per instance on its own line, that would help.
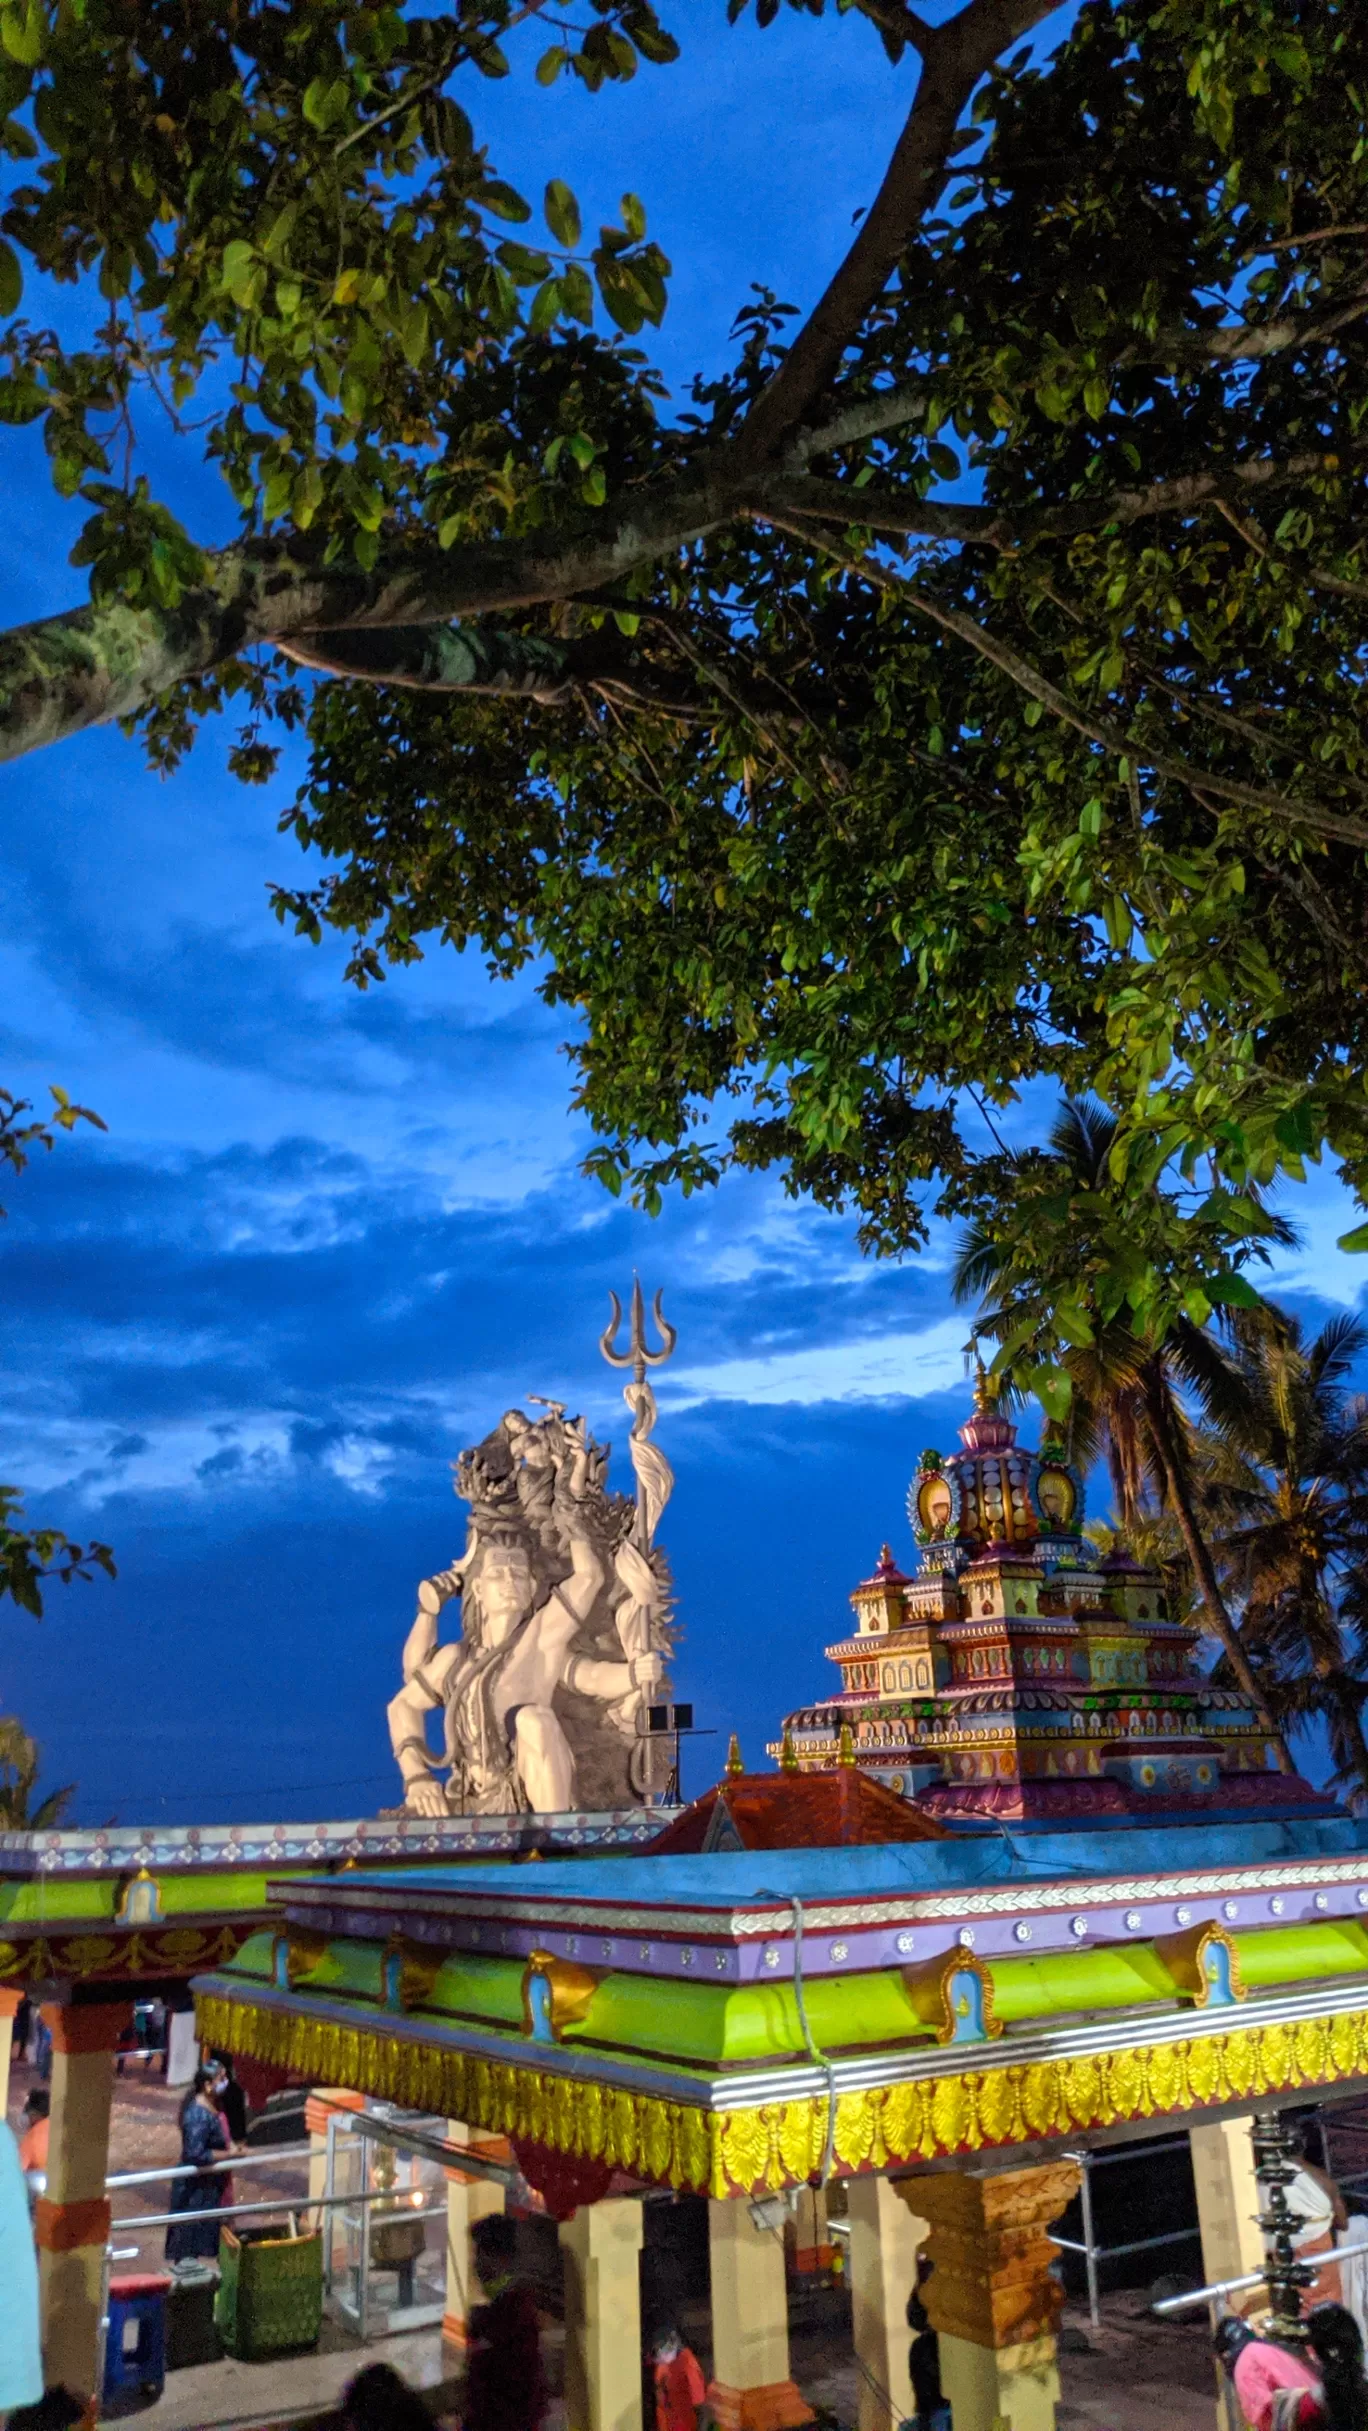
(565, 1619)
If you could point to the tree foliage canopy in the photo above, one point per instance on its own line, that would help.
(965, 689)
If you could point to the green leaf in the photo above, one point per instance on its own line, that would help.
(633, 216)
(577, 293)
(1232, 1291)
(11, 279)
(545, 310)
(1354, 1241)
(562, 213)
(1053, 1389)
(21, 32)
(550, 64)
(1073, 1325)
(504, 201)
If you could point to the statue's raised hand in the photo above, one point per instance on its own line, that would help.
(647, 1670)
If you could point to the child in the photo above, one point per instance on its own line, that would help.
(679, 2385)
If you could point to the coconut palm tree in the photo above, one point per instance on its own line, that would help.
(1060, 1236)
(19, 1761)
(1285, 1454)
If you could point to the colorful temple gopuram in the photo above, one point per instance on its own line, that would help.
(1020, 1674)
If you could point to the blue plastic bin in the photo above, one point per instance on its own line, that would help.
(135, 2349)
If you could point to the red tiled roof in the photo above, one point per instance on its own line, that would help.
(842, 1808)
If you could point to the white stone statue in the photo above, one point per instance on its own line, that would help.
(564, 1634)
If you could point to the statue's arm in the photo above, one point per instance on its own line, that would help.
(417, 1697)
(433, 1594)
(612, 1680)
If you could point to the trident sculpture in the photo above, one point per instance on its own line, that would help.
(654, 1476)
(655, 1483)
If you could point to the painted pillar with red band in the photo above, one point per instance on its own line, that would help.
(71, 2224)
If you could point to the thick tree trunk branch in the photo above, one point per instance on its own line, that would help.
(954, 57)
(99, 663)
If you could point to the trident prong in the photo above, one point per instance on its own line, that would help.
(638, 1358)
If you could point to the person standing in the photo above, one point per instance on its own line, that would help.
(231, 2100)
(679, 2384)
(33, 2144)
(505, 2381)
(203, 2137)
(21, 2361)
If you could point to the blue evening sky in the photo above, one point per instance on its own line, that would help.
(330, 1237)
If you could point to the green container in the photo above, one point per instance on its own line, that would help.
(270, 2297)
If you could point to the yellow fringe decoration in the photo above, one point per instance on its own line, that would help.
(750, 2151)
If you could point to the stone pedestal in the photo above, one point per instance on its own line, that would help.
(10, 1997)
(885, 2236)
(601, 2250)
(1227, 2200)
(468, 2199)
(991, 2298)
(750, 2389)
(71, 2221)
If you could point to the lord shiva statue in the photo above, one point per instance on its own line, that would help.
(564, 1628)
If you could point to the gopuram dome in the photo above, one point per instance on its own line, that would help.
(993, 1493)
(1020, 1672)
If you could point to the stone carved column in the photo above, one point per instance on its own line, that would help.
(1227, 2198)
(751, 2389)
(990, 2297)
(885, 2236)
(469, 2199)
(71, 2221)
(601, 2249)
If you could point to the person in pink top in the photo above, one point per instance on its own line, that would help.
(1277, 2389)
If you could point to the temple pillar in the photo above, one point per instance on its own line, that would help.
(468, 2199)
(10, 1997)
(885, 2235)
(71, 2221)
(601, 2249)
(1227, 2199)
(751, 2389)
(990, 2297)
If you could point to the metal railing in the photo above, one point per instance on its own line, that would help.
(266, 2158)
(1092, 2252)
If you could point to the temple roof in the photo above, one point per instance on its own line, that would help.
(787, 1810)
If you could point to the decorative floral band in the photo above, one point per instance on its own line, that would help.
(746, 2151)
(81, 1957)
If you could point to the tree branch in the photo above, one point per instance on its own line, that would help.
(1109, 737)
(111, 661)
(955, 56)
(1007, 528)
(441, 658)
(900, 24)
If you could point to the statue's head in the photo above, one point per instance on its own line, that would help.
(505, 1585)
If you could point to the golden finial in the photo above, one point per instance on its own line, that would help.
(788, 1753)
(845, 1745)
(735, 1760)
(984, 1392)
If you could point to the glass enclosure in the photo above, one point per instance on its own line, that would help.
(385, 2255)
